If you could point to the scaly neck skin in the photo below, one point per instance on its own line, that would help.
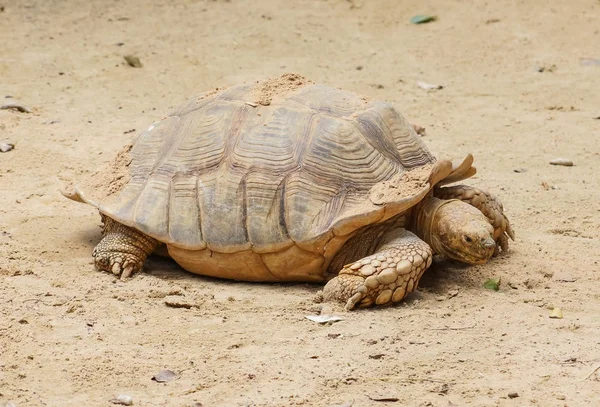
(423, 219)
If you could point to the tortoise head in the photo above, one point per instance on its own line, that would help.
(458, 230)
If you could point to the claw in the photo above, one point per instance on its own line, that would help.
(116, 269)
(352, 301)
(127, 272)
(509, 231)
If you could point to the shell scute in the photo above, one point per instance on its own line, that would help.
(226, 173)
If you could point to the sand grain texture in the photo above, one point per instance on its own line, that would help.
(515, 94)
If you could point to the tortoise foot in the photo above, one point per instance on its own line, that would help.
(123, 250)
(384, 277)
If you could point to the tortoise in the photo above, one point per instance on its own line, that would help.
(287, 180)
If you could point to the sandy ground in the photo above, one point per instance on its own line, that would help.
(518, 92)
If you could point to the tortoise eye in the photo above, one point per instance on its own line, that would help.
(468, 239)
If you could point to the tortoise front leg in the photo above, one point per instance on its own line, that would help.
(488, 204)
(122, 250)
(388, 275)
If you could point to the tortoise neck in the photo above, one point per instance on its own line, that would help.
(424, 220)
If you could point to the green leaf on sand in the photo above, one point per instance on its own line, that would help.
(492, 284)
(422, 19)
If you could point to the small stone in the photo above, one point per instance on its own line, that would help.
(520, 170)
(123, 399)
(6, 147)
(420, 130)
(513, 395)
(565, 162)
(387, 276)
(164, 376)
(556, 313)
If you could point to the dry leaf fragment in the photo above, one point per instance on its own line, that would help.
(323, 319)
(492, 284)
(422, 19)
(133, 61)
(428, 86)
(589, 61)
(383, 398)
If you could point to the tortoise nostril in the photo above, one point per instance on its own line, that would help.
(488, 242)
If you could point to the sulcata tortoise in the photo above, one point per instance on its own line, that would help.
(286, 180)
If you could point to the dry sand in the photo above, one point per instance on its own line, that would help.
(520, 87)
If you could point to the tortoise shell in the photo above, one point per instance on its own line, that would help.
(281, 165)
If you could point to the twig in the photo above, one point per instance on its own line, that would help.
(591, 373)
(449, 328)
(407, 379)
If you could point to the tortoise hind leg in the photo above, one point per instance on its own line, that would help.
(122, 250)
(386, 276)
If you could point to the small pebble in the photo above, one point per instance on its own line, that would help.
(420, 130)
(562, 161)
(520, 170)
(6, 147)
(123, 399)
(513, 395)
(556, 313)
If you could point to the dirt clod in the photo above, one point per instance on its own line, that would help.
(266, 91)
